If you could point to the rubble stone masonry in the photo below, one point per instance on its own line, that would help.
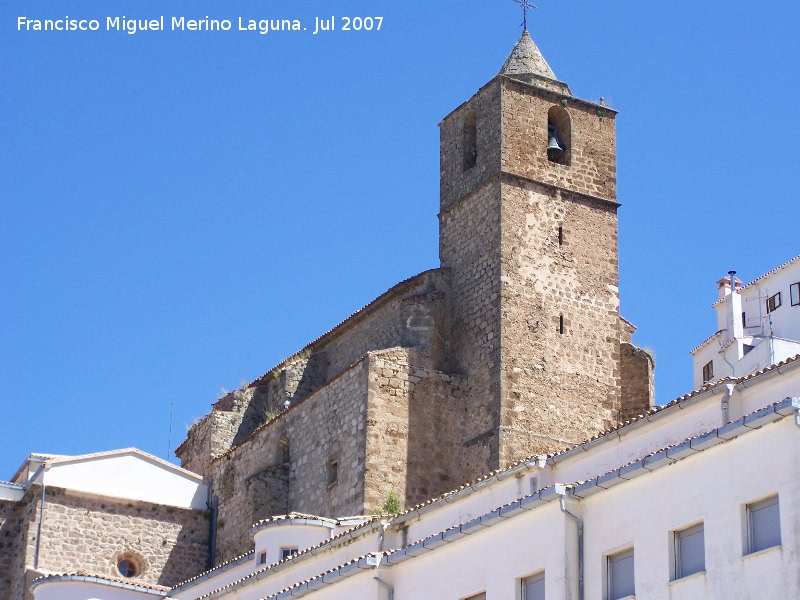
(89, 534)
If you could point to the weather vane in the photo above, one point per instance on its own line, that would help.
(525, 7)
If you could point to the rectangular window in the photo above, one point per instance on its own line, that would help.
(744, 320)
(773, 302)
(620, 575)
(262, 558)
(287, 552)
(690, 551)
(794, 294)
(708, 371)
(533, 587)
(333, 470)
(763, 524)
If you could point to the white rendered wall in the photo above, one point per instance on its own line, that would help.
(776, 335)
(273, 538)
(84, 590)
(129, 476)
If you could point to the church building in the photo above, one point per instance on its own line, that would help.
(485, 430)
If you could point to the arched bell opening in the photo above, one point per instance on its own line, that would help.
(559, 136)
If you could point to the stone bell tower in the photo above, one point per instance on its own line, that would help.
(528, 230)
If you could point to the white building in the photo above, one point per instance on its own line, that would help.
(757, 325)
(698, 499)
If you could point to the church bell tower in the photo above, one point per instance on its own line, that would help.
(528, 231)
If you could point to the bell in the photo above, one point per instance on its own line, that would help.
(554, 150)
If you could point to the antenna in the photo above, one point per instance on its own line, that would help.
(526, 5)
(169, 440)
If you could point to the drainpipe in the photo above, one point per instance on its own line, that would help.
(212, 546)
(579, 521)
(39, 471)
(388, 587)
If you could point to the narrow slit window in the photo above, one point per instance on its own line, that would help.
(560, 236)
(561, 324)
(333, 470)
(794, 294)
(470, 140)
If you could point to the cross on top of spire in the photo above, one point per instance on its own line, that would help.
(526, 6)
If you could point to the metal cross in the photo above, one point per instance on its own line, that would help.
(526, 5)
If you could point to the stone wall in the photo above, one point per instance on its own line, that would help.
(534, 305)
(284, 465)
(89, 534)
(415, 426)
(469, 245)
(592, 169)
(13, 536)
(638, 387)
(408, 315)
(560, 329)
(457, 182)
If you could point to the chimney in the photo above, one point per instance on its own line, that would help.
(735, 325)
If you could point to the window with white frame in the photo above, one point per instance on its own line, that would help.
(690, 551)
(794, 294)
(533, 587)
(262, 558)
(287, 552)
(620, 575)
(763, 525)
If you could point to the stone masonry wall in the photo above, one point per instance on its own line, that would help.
(416, 421)
(469, 245)
(328, 424)
(455, 181)
(408, 315)
(12, 547)
(89, 534)
(561, 383)
(593, 167)
(638, 387)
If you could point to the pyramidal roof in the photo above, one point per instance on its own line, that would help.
(525, 59)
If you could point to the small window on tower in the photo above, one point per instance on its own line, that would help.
(333, 470)
(470, 140)
(708, 371)
(773, 302)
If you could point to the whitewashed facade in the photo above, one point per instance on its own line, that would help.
(757, 325)
(719, 463)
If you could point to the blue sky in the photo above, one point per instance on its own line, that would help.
(182, 210)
